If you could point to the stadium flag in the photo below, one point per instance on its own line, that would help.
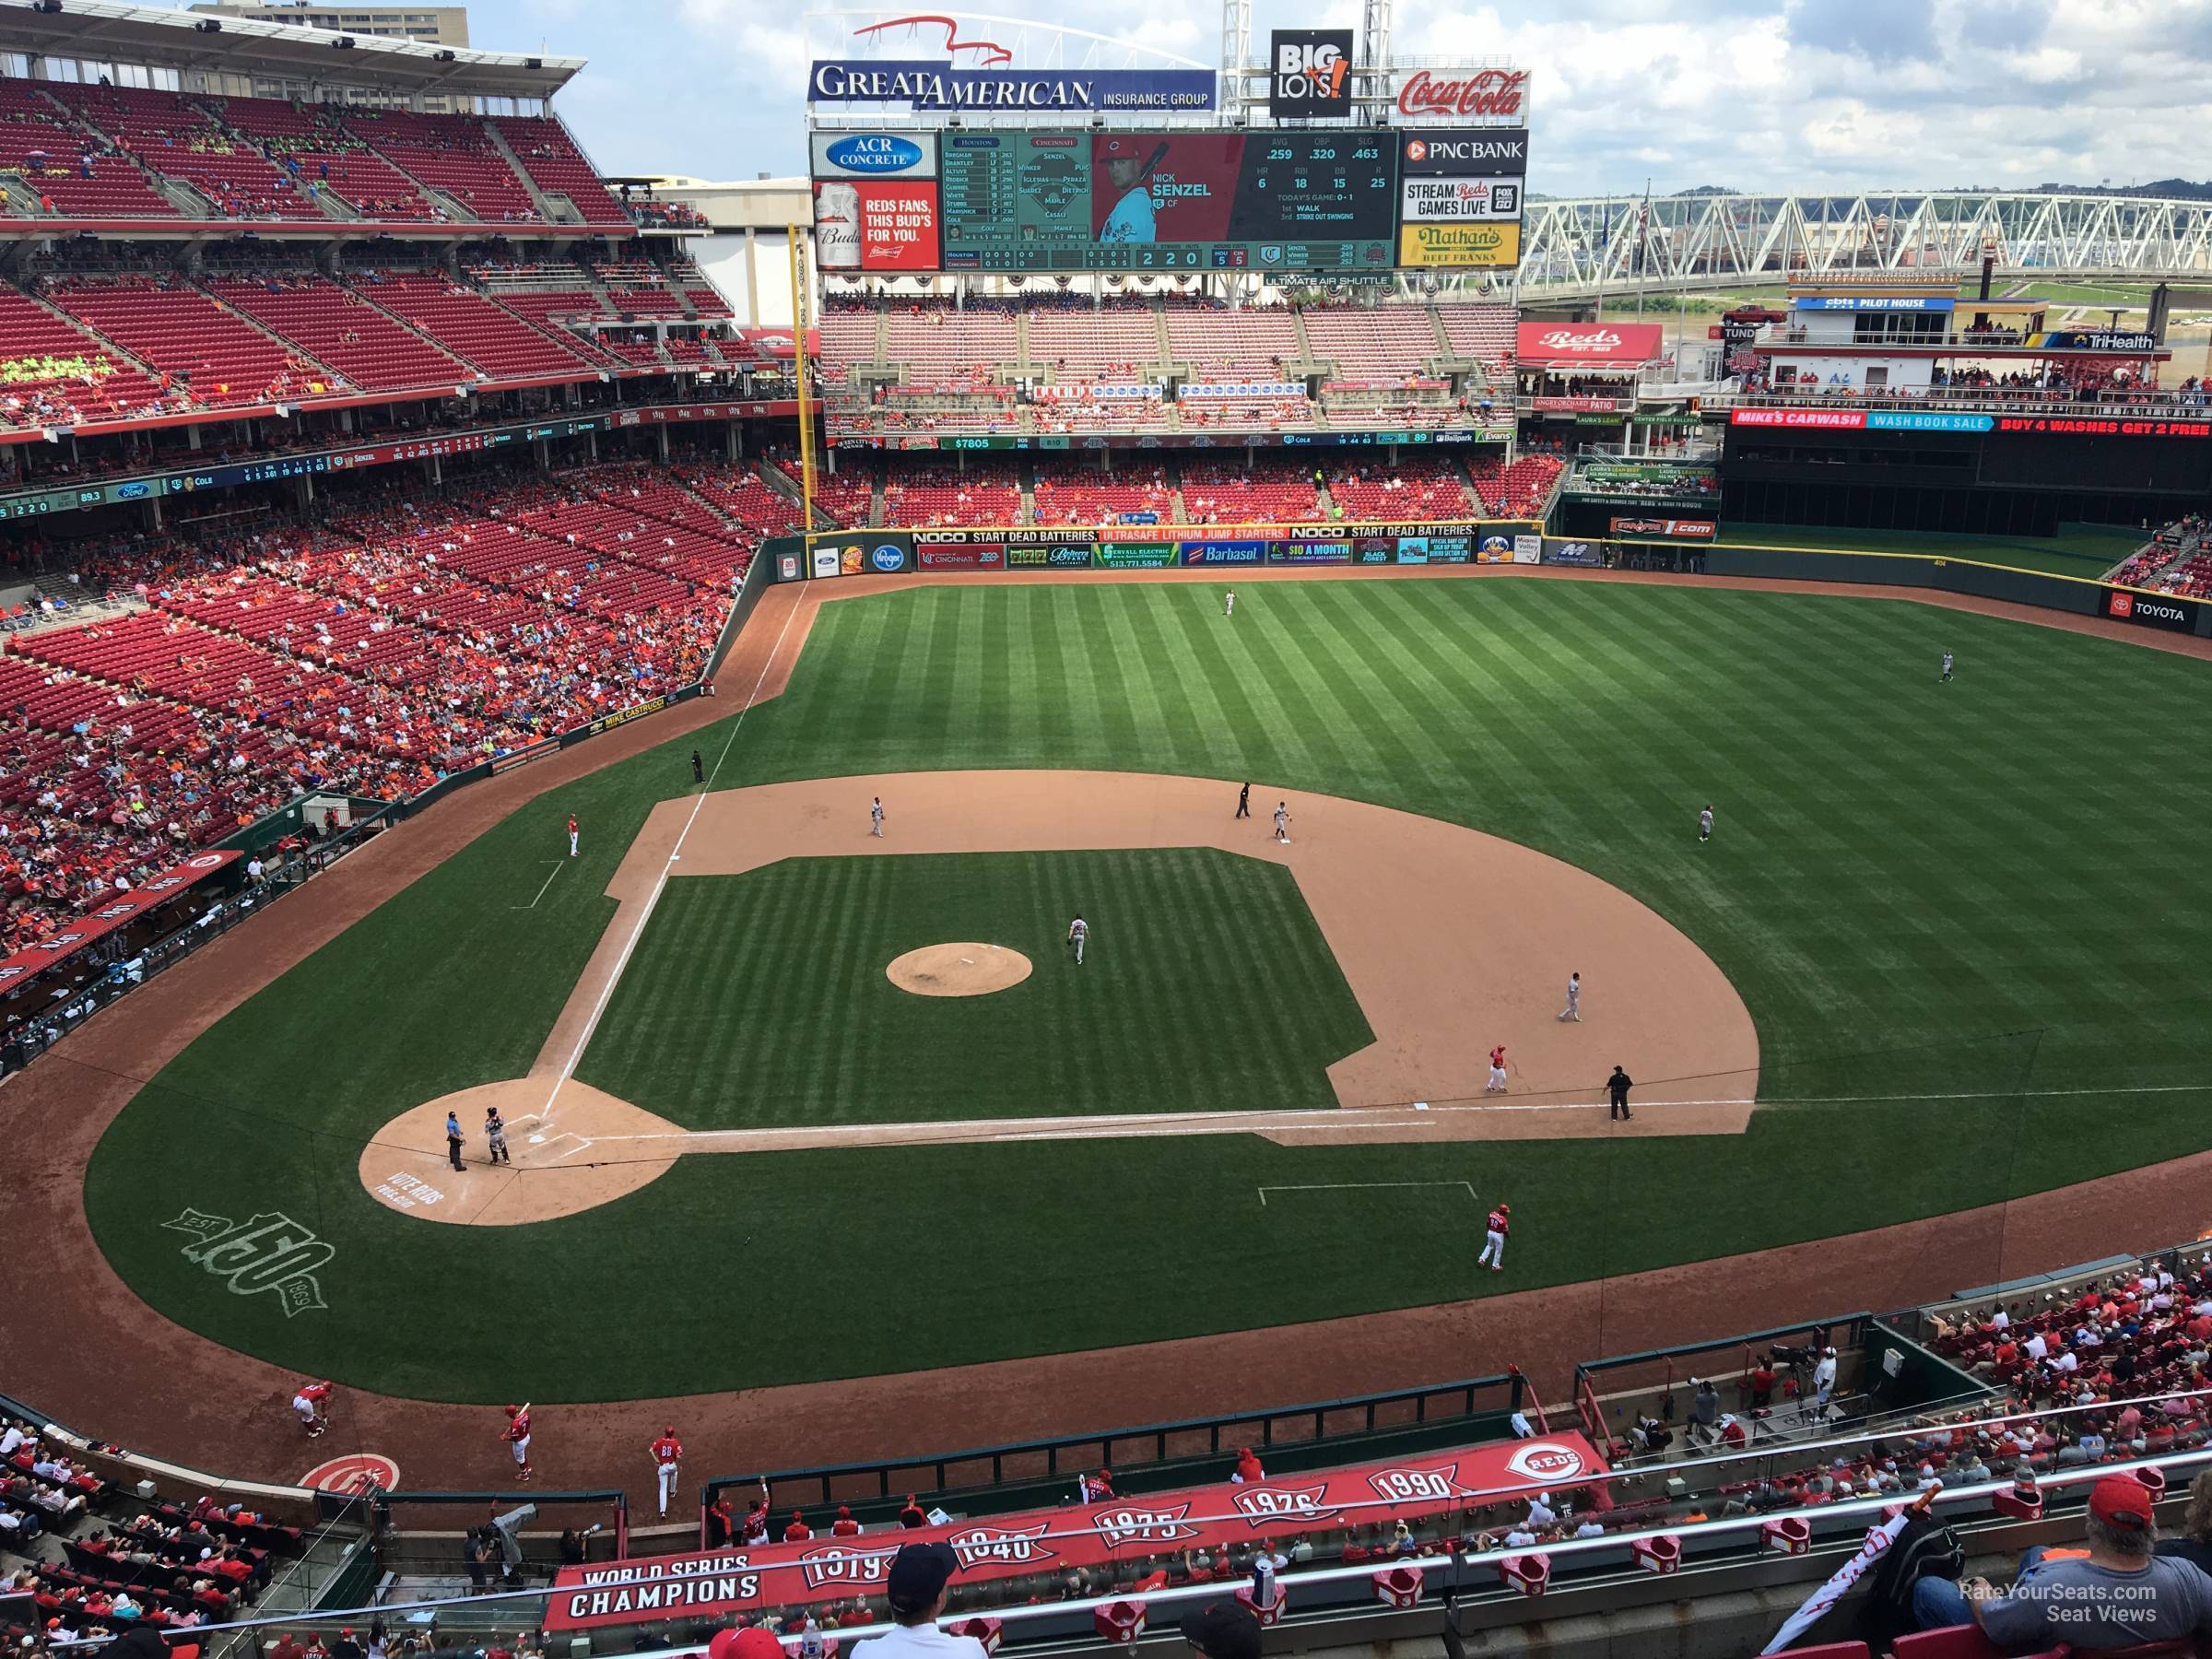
(1822, 1600)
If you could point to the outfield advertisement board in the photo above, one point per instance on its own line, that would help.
(2151, 610)
(1223, 552)
(1159, 547)
(861, 552)
(1127, 554)
(1558, 550)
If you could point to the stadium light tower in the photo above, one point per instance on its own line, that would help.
(1235, 51)
(1375, 36)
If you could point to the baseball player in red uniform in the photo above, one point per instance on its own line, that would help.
(517, 1436)
(667, 1451)
(1493, 1248)
(571, 835)
(1497, 1083)
(844, 1526)
(310, 1404)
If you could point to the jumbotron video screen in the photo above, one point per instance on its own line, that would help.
(1321, 200)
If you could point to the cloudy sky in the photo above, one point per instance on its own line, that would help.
(1751, 94)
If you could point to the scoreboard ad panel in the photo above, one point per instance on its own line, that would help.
(1275, 200)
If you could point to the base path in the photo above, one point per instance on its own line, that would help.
(110, 1365)
(1451, 941)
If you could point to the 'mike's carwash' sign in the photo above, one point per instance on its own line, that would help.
(720, 1583)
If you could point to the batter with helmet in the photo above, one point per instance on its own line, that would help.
(1493, 1248)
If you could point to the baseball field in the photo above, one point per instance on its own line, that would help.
(1944, 950)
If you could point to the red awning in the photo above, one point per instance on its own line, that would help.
(117, 912)
(1588, 345)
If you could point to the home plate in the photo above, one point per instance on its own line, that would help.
(537, 1140)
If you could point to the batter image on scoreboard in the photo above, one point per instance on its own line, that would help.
(1148, 187)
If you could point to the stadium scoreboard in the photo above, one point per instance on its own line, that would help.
(1303, 199)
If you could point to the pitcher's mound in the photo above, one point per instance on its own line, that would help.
(957, 969)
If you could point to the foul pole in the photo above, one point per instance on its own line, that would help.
(798, 361)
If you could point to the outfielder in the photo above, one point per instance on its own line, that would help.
(1229, 608)
(1947, 670)
(517, 1436)
(495, 1136)
(667, 1451)
(1705, 825)
(573, 835)
(875, 815)
(1497, 1082)
(1493, 1245)
(311, 1406)
(1573, 1010)
(1077, 932)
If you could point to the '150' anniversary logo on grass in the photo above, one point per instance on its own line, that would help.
(271, 1251)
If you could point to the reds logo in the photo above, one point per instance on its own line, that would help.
(1417, 1486)
(1542, 1460)
(835, 1564)
(1013, 1545)
(1129, 1524)
(1568, 340)
(1261, 1504)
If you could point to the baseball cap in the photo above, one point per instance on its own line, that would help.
(918, 1572)
(1223, 1630)
(2121, 1500)
(754, 1641)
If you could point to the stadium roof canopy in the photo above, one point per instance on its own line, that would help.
(108, 31)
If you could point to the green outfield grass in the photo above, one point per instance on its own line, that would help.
(1964, 918)
(761, 1000)
(2084, 550)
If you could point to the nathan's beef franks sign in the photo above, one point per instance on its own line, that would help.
(714, 1584)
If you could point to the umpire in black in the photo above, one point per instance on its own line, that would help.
(1616, 1089)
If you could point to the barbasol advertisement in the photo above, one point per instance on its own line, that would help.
(1223, 552)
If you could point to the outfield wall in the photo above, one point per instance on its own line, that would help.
(839, 554)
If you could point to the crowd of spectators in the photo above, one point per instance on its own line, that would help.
(2176, 560)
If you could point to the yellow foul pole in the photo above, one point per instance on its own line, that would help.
(800, 309)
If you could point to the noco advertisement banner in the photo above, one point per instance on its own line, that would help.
(1306, 198)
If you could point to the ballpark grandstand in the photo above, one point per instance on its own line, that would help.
(1146, 872)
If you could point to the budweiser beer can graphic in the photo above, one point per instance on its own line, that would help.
(837, 227)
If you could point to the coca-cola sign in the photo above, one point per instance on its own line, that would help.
(1499, 93)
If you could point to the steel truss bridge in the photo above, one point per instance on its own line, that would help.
(1574, 250)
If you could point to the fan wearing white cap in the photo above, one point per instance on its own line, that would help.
(915, 1587)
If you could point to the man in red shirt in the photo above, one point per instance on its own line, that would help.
(667, 1453)
(844, 1526)
(913, 1515)
(798, 1532)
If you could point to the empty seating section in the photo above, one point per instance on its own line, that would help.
(550, 311)
(183, 142)
(307, 141)
(65, 165)
(1241, 345)
(943, 495)
(1383, 342)
(1241, 410)
(845, 497)
(1374, 492)
(946, 349)
(452, 154)
(636, 289)
(184, 333)
(1268, 492)
(847, 338)
(1410, 403)
(1069, 493)
(1517, 490)
(473, 327)
(706, 299)
(556, 165)
(1484, 332)
(1110, 345)
(371, 653)
(54, 373)
(343, 330)
(746, 496)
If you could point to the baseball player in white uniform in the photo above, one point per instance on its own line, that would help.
(1573, 1010)
(1497, 1082)
(1705, 825)
(1077, 932)
(875, 815)
(1493, 1238)
(1947, 668)
(1228, 607)
(1282, 822)
(667, 1453)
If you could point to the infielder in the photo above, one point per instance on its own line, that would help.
(667, 1451)
(573, 835)
(1077, 932)
(1497, 1082)
(1282, 822)
(517, 1436)
(1573, 1010)
(1945, 678)
(1493, 1245)
(495, 1135)
(1228, 607)
(1705, 825)
(876, 817)
(310, 1404)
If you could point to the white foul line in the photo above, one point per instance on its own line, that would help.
(559, 864)
(1363, 1186)
(661, 881)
